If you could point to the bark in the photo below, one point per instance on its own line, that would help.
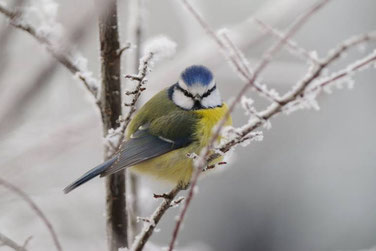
(111, 109)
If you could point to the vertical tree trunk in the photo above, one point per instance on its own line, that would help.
(111, 105)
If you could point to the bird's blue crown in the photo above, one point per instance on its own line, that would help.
(197, 74)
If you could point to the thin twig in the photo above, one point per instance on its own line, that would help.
(4, 240)
(290, 43)
(342, 73)
(299, 91)
(124, 48)
(15, 21)
(35, 208)
(147, 231)
(141, 80)
(266, 59)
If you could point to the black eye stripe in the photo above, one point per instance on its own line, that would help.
(209, 92)
(188, 94)
(185, 92)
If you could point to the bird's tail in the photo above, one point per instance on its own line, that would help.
(90, 174)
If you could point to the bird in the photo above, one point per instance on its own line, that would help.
(174, 123)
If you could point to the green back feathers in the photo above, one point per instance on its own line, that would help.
(165, 119)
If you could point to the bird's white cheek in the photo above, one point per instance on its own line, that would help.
(213, 100)
(181, 100)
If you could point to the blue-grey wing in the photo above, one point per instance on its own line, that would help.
(140, 147)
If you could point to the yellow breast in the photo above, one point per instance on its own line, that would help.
(174, 166)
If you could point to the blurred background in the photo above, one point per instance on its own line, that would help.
(309, 185)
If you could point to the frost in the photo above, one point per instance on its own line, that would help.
(265, 92)
(161, 47)
(112, 139)
(314, 55)
(44, 12)
(267, 124)
(156, 49)
(231, 133)
(217, 151)
(247, 105)
(192, 155)
(237, 60)
(81, 63)
(253, 136)
(149, 222)
(307, 102)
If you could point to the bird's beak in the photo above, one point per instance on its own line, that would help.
(197, 97)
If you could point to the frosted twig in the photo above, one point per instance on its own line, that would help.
(6, 241)
(156, 49)
(290, 43)
(35, 208)
(16, 21)
(358, 65)
(299, 90)
(147, 231)
(266, 58)
(144, 68)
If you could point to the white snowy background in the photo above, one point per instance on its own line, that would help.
(309, 185)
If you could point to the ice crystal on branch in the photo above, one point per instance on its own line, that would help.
(247, 105)
(113, 139)
(230, 133)
(44, 12)
(81, 63)
(161, 47)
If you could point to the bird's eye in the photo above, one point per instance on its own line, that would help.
(185, 92)
(209, 91)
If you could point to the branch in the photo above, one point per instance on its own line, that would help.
(110, 98)
(266, 59)
(35, 208)
(299, 91)
(124, 48)
(14, 19)
(140, 78)
(290, 43)
(147, 231)
(115, 138)
(12, 244)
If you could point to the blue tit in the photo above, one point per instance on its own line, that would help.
(175, 122)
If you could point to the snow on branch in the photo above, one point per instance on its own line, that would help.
(74, 64)
(151, 223)
(156, 49)
(265, 60)
(35, 208)
(310, 84)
